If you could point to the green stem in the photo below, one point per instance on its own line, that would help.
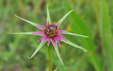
(50, 58)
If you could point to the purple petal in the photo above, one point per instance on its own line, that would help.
(39, 26)
(54, 43)
(39, 32)
(47, 22)
(57, 40)
(45, 39)
(42, 37)
(62, 31)
(62, 37)
(49, 40)
(58, 24)
(58, 43)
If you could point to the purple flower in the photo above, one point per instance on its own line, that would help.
(51, 33)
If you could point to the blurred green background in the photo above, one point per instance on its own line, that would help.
(93, 18)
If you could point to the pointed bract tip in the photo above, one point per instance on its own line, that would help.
(63, 64)
(28, 57)
(87, 36)
(85, 51)
(8, 32)
(73, 9)
(47, 4)
(15, 15)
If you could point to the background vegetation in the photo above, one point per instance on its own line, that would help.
(93, 18)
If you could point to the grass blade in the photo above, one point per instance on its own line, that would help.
(106, 33)
(103, 19)
(81, 28)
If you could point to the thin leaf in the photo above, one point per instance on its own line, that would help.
(38, 48)
(58, 54)
(48, 15)
(97, 10)
(103, 19)
(62, 19)
(106, 33)
(34, 24)
(75, 34)
(75, 45)
(81, 28)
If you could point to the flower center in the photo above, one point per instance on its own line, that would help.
(51, 30)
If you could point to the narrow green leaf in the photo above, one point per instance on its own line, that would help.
(81, 28)
(103, 19)
(48, 15)
(106, 33)
(75, 45)
(58, 54)
(78, 5)
(38, 48)
(62, 19)
(97, 10)
(34, 24)
(75, 34)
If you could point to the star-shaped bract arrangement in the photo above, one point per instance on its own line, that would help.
(51, 33)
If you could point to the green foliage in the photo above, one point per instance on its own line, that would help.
(103, 18)
(91, 18)
(81, 28)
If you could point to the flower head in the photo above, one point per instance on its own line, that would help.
(51, 33)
